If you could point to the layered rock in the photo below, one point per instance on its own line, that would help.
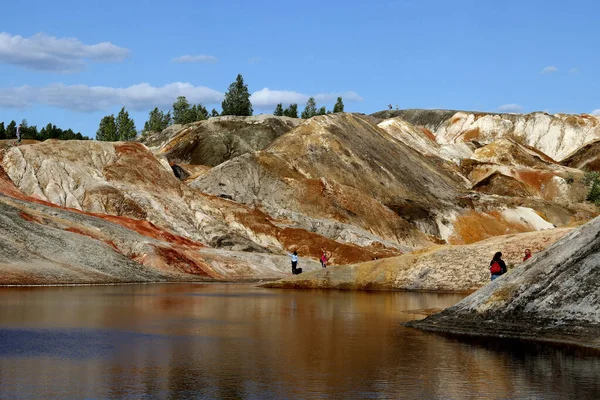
(44, 244)
(344, 177)
(424, 141)
(125, 180)
(228, 197)
(336, 172)
(440, 268)
(585, 158)
(552, 297)
(507, 168)
(47, 245)
(122, 179)
(217, 139)
(556, 135)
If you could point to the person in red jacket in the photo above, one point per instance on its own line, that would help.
(324, 259)
(527, 255)
(497, 266)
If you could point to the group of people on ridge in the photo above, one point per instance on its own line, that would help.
(295, 270)
(498, 266)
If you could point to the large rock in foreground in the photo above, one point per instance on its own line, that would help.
(442, 268)
(554, 297)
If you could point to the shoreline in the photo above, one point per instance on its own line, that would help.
(262, 283)
(581, 339)
(368, 289)
(248, 281)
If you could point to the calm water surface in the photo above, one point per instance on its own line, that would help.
(239, 341)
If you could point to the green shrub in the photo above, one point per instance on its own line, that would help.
(592, 180)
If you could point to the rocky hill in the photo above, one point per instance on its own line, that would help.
(556, 135)
(43, 243)
(230, 196)
(553, 297)
(333, 173)
(217, 140)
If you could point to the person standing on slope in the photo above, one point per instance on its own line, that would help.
(497, 266)
(18, 135)
(527, 255)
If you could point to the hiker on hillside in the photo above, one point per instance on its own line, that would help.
(527, 255)
(18, 135)
(324, 259)
(295, 269)
(497, 266)
(389, 106)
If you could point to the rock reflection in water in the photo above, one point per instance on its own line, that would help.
(238, 341)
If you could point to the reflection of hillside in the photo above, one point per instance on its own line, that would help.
(227, 341)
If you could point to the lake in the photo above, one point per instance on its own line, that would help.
(239, 341)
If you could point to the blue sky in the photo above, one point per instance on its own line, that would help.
(70, 63)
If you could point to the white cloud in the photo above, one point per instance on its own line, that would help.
(596, 111)
(203, 59)
(83, 98)
(269, 98)
(50, 54)
(549, 70)
(511, 108)
(143, 96)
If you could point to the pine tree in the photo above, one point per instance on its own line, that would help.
(2, 131)
(322, 111)
(214, 113)
(278, 110)
(291, 111)
(125, 126)
(11, 129)
(107, 131)
(311, 109)
(181, 111)
(339, 106)
(157, 121)
(199, 113)
(237, 99)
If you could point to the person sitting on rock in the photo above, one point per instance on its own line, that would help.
(497, 266)
(324, 259)
(527, 255)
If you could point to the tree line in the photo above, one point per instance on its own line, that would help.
(236, 102)
(122, 127)
(310, 110)
(49, 131)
